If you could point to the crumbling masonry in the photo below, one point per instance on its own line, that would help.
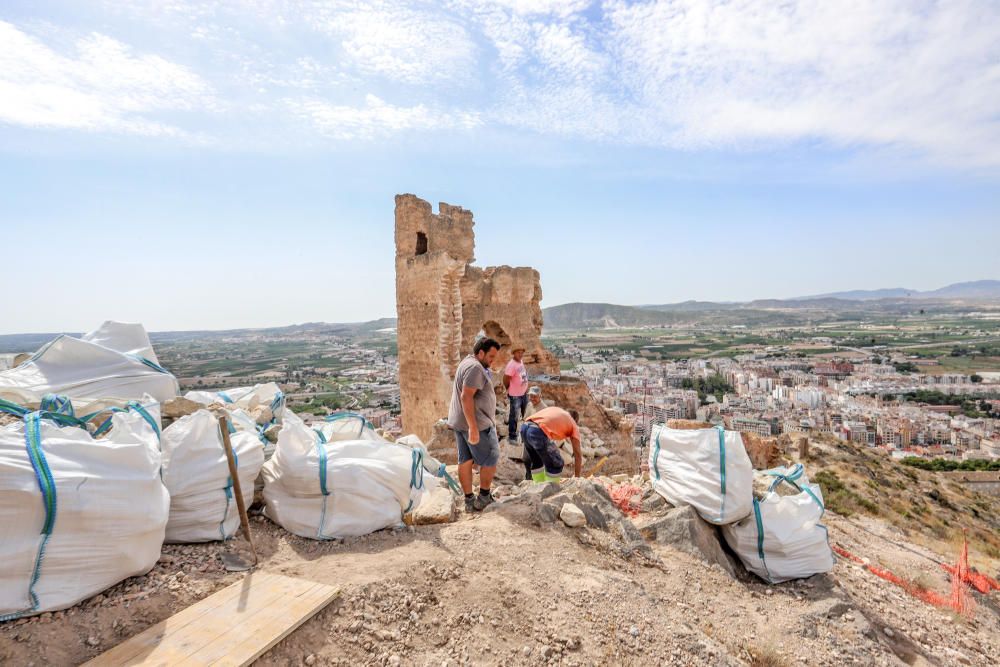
(443, 302)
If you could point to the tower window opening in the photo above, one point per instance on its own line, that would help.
(421, 243)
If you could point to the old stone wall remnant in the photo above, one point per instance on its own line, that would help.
(443, 301)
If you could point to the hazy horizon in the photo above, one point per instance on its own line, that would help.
(393, 315)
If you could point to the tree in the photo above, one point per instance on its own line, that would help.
(976, 378)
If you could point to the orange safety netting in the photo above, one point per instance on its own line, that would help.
(621, 495)
(962, 572)
(959, 600)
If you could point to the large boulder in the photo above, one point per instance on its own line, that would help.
(438, 507)
(178, 407)
(572, 516)
(541, 504)
(442, 443)
(682, 529)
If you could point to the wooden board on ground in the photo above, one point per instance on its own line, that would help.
(234, 626)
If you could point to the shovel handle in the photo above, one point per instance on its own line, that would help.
(233, 475)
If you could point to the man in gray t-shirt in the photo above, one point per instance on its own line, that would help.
(473, 402)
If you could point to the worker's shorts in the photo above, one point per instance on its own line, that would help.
(543, 452)
(485, 453)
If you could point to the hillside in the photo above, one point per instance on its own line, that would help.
(467, 592)
(590, 315)
(29, 342)
(926, 507)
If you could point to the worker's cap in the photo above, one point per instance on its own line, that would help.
(535, 391)
(516, 348)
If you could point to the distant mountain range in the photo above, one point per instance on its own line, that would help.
(977, 289)
(607, 315)
(775, 311)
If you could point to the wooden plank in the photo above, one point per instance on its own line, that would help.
(292, 612)
(232, 627)
(185, 626)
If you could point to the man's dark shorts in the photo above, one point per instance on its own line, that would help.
(543, 452)
(486, 453)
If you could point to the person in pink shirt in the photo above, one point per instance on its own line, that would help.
(515, 381)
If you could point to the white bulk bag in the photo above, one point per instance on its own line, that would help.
(125, 337)
(248, 398)
(88, 373)
(196, 473)
(706, 468)
(347, 426)
(326, 490)
(783, 538)
(207, 397)
(77, 515)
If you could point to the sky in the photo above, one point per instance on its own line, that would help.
(210, 165)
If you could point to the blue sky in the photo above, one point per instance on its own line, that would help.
(230, 164)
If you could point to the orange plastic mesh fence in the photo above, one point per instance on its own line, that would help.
(622, 495)
(958, 601)
(964, 573)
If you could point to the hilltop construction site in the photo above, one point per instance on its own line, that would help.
(143, 526)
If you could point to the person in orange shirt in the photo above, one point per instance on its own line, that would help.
(540, 433)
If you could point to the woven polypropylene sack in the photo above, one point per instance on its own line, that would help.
(268, 394)
(196, 473)
(706, 468)
(347, 426)
(325, 490)
(783, 538)
(106, 508)
(91, 375)
(125, 337)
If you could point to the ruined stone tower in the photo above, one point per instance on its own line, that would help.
(443, 301)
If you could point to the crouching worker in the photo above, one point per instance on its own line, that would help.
(540, 433)
(535, 403)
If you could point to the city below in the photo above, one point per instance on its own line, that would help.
(924, 384)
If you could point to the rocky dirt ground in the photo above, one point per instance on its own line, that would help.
(515, 586)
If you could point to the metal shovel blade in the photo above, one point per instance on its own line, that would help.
(233, 562)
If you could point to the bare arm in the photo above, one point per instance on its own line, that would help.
(506, 381)
(469, 410)
(577, 458)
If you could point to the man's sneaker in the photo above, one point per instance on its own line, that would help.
(470, 505)
(481, 502)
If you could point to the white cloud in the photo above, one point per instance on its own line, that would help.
(403, 42)
(102, 87)
(561, 8)
(916, 77)
(377, 118)
(907, 75)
